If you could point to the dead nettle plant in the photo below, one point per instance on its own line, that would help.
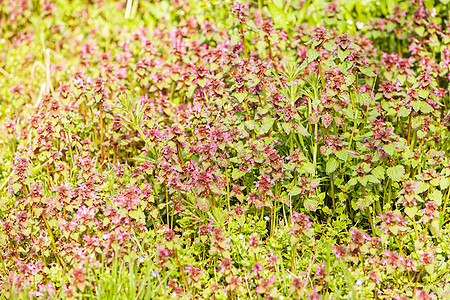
(256, 150)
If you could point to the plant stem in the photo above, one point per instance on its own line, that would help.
(102, 135)
(271, 57)
(332, 191)
(321, 76)
(445, 206)
(274, 213)
(167, 205)
(182, 271)
(409, 129)
(228, 187)
(243, 41)
(58, 258)
(264, 94)
(315, 147)
(294, 250)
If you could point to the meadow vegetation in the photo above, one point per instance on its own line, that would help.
(271, 149)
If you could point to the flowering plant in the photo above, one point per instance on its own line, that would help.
(225, 150)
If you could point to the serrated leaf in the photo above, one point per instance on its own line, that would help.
(266, 125)
(250, 124)
(295, 191)
(411, 211)
(16, 187)
(424, 93)
(136, 214)
(389, 149)
(395, 173)
(352, 181)
(235, 39)
(251, 24)
(332, 165)
(237, 174)
(363, 180)
(378, 172)
(287, 127)
(311, 204)
(308, 167)
(421, 134)
(201, 82)
(394, 229)
(372, 179)
(343, 54)
(416, 105)
(403, 112)
(444, 183)
(302, 130)
(240, 96)
(313, 54)
(420, 30)
(342, 155)
(363, 203)
(426, 108)
(435, 228)
(367, 72)
(328, 45)
(436, 196)
(421, 187)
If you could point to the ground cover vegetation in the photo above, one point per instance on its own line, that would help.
(226, 150)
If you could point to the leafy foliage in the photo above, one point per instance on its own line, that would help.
(224, 150)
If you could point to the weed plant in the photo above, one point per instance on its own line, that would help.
(183, 149)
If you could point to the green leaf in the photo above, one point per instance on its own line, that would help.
(251, 24)
(429, 269)
(426, 108)
(368, 72)
(363, 180)
(295, 191)
(250, 124)
(435, 228)
(421, 187)
(416, 105)
(201, 82)
(342, 155)
(137, 214)
(395, 173)
(378, 172)
(302, 130)
(424, 93)
(237, 174)
(420, 30)
(235, 38)
(332, 165)
(394, 229)
(411, 211)
(353, 181)
(389, 148)
(343, 54)
(311, 204)
(421, 134)
(240, 96)
(16, 187)
(444, 183)
(287, 127)
(365, 202)
(313, 54)
(267, 123)
(308, 167)
(436, 196)
(372, 179)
